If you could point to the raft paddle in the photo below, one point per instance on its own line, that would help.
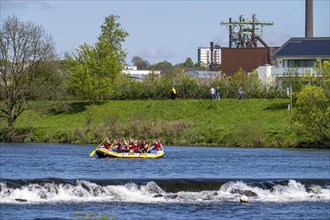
(145, 154)
(93, 152)
(164, 151)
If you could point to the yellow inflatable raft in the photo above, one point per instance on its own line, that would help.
(102, 152)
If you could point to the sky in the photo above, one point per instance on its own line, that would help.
(166, 30)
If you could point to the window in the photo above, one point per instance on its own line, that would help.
(323, 60)
(310, 63)
(301, 63)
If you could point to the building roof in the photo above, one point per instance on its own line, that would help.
(203, 74)
(316, 46)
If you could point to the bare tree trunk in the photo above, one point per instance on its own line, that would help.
(23, 46)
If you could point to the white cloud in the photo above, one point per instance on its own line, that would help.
(154, 52)
(25, 4)
(45, 5)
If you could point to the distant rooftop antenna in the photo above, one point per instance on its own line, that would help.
(245, 32)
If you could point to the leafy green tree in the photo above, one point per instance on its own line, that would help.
(121, 87)
(109, 46)
(49, 82)
(292, 78)
(87, 80)
(188, 63)
(249, 82)
(165, 87)
(140, 63)
(324, 70)
(93, 69)
(239, 79)
(312, 114)
(165, 67)
(24, 47)
(255, 87)
(151, 82)
(189, 87)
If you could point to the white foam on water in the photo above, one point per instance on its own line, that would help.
(133, 193)
(292, 192)
(85, 191)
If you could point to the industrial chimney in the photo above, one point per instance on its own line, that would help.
(212, 50)
(309, 19)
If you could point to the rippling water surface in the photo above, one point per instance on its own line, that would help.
(61, 181)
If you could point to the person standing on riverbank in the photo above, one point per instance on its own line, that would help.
(173, 93)
(218, 93)
(240, 92)
(212, 91)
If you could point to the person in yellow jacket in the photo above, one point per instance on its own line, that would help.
(173, 93)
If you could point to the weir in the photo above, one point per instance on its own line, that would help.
(163, 191)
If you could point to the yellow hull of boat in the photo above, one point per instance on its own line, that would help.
(109, 153)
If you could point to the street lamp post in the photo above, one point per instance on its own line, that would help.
(289, 93)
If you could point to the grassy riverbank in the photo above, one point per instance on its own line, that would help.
(251, 122)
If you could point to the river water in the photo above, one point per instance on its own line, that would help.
(61, 181)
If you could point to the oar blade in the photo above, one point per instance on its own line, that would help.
(92, 153)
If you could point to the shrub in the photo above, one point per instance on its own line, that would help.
(249, 135)
(312, 114)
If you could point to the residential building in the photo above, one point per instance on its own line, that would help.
(299, 56)
(204, 56)
(302, 52)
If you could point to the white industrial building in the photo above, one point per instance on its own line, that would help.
(136, 74)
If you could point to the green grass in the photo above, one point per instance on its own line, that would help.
(230, 122)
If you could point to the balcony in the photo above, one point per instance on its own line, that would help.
(301, 71)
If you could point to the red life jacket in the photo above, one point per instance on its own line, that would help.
(158, 146)
(120, 147)
(107, 145)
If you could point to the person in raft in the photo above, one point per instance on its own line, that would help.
(142, 146)
(132, 146)
(156, 146)
(135, 147)
(129, 145)
(107, 144)
(145, 146)
(119, 146)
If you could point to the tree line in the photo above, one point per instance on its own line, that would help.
(30, 70)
